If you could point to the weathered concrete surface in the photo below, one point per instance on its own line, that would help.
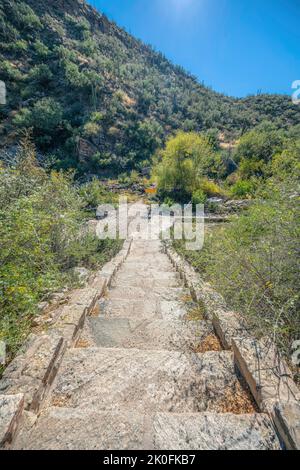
(145, 283)
(286, 417)
(134, 382)
(31, 373)
(208, 431)
(146, 272)
(140, 293)
(267, 374)
(129, 308)
(84, 429)
(228, 325)
(147, 334)
(143, 380)
(90, 429)
(11, 407)
(143, 309)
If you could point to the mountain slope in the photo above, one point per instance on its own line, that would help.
(96, 98)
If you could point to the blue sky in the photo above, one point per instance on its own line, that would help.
(235, 46)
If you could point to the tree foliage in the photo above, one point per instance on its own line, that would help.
(183, 164)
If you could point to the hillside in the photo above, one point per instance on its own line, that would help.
(97, 99)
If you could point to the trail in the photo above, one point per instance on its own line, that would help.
(135, 380)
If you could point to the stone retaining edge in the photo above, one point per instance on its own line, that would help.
(266, 373)
(63, 334)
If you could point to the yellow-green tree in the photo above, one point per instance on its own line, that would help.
(187, 157)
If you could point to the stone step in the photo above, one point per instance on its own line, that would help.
(212, 431)
(158, 263)
(125, 273)
(137, 249)
(174, 309)
(154, 334)
(149, 258)
(140, 267)
(145, 283)
(145, 381)
(149, 267)
(143, 309)
(147, 254)
(146, 251)
(139, 293)
(91, 429)
(140, 309)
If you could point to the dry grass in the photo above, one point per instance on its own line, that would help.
(82, 343)
(211, 343)
(196, 313)
(186, 298)
(238, 400)
(95, 311)
(60, 401)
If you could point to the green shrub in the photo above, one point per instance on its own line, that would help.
(41, 49)
(22, 118)
(17, 47)
(97, 117)
(88, 47)
(40, 74)
(210, 188)
(42, 238)
(46, 115)
(253, 262)
(63, 53)
(80, 28)
(168, 202)
(101, 160)
(95, 193)
(91, 129)
(262, 143)
(8, 72)
(242, 189)
(186, 158)
(287, 163)
(24, 17)
(199, 197)
(252, 168)
(73, 76)
(134, 177)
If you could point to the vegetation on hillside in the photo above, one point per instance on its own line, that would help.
(43, 236)
(100, 101)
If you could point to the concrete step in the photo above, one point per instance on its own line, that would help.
(145, 283)
(139, 309)
(146, 334)
(211, 431)
(147, 250)
(91, 429)
(145, 271)
(153, 262)
(126, 272)
(140, 293)
(143, 309)
(146, 381)
(149, 257)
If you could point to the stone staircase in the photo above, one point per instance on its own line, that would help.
(135, 379)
